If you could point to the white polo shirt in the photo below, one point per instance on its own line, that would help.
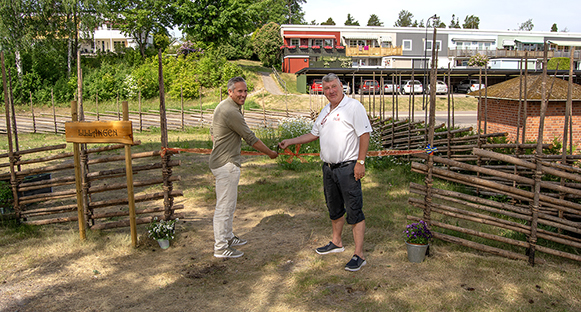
(339, 130)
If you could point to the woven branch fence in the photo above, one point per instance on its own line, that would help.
(518, 203)
(45, 192)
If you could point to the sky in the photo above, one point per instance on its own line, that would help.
(493, 14)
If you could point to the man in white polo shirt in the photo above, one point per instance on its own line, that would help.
(343, 130)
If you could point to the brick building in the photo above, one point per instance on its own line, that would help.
(501, 107)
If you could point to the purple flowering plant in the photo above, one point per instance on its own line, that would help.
(417, 233)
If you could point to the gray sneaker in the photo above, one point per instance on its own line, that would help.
(236, 241)
(228, 252)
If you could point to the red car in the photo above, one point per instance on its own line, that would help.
(317, 85)
(369, 86)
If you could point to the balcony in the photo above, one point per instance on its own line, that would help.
(501, 53)
(379, 52)
(313, 50)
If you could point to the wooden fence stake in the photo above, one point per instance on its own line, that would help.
(166, 170)
(53, 110)
(13, 181)
(32, 113)
(77, 157)
(130, 191)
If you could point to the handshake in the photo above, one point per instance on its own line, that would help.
(274, 154)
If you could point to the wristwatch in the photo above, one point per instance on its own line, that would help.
(361, 161)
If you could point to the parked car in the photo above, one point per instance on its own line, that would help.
(469, 85)
(317, 85)
(441, 87)
(369, 86)
(388, 87)
(346, 87)
(408, 85)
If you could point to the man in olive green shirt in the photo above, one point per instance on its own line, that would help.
(228, 128)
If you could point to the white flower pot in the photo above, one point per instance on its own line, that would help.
(163, 243)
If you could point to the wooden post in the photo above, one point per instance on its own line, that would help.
(568, 114)
(182, 101)
(129, 173)
(429, 178)
(77, 157)
(32, 113)
(97, 104)
(14, 127)
(117, 101)
(53, 110)
(13, 181)
(81, 111)
(166, 170)
(140, 114)
(374, 91)
(485, 99)
(201, 111)
(449, 152)
(538, 173)
(264, 110)
(525, 105)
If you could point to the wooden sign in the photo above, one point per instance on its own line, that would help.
(99, 132)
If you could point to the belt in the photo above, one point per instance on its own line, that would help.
(338, 165)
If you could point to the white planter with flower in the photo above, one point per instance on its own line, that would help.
(162, 231)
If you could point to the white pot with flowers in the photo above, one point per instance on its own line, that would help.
(162, 231)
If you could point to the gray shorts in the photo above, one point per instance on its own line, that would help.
(342, 193)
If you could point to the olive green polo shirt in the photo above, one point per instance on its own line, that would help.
(228, 128)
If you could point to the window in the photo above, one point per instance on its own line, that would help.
(374, 62)
(318, 42)
(407, 45)
(459, 45)
(294, 42)
(329, 42)
(386, 44)
(429, 45)
(487, 45)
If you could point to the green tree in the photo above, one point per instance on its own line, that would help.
(351, 21)
(404, 19)
(266, 42)
(527, 25)
(213, 22)
(265, 11)
(141, 18)
(436, 22)
(374, 21)
(329, 21)
(554, 28)
(471, 22)
(455, 22)
(295, 11)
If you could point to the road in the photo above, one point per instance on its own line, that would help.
(462, 119)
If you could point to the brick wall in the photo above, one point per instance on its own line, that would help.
(502, 116)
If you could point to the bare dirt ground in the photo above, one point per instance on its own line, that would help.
(280, 271)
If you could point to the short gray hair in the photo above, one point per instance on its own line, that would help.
(330, 77)
(234, 80)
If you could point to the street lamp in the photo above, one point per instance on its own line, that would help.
(426, 59)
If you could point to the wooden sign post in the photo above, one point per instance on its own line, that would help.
(77, 157)
(103, 132)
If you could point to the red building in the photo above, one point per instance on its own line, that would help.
(300, 46)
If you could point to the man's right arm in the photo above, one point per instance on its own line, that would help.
(305, 138)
